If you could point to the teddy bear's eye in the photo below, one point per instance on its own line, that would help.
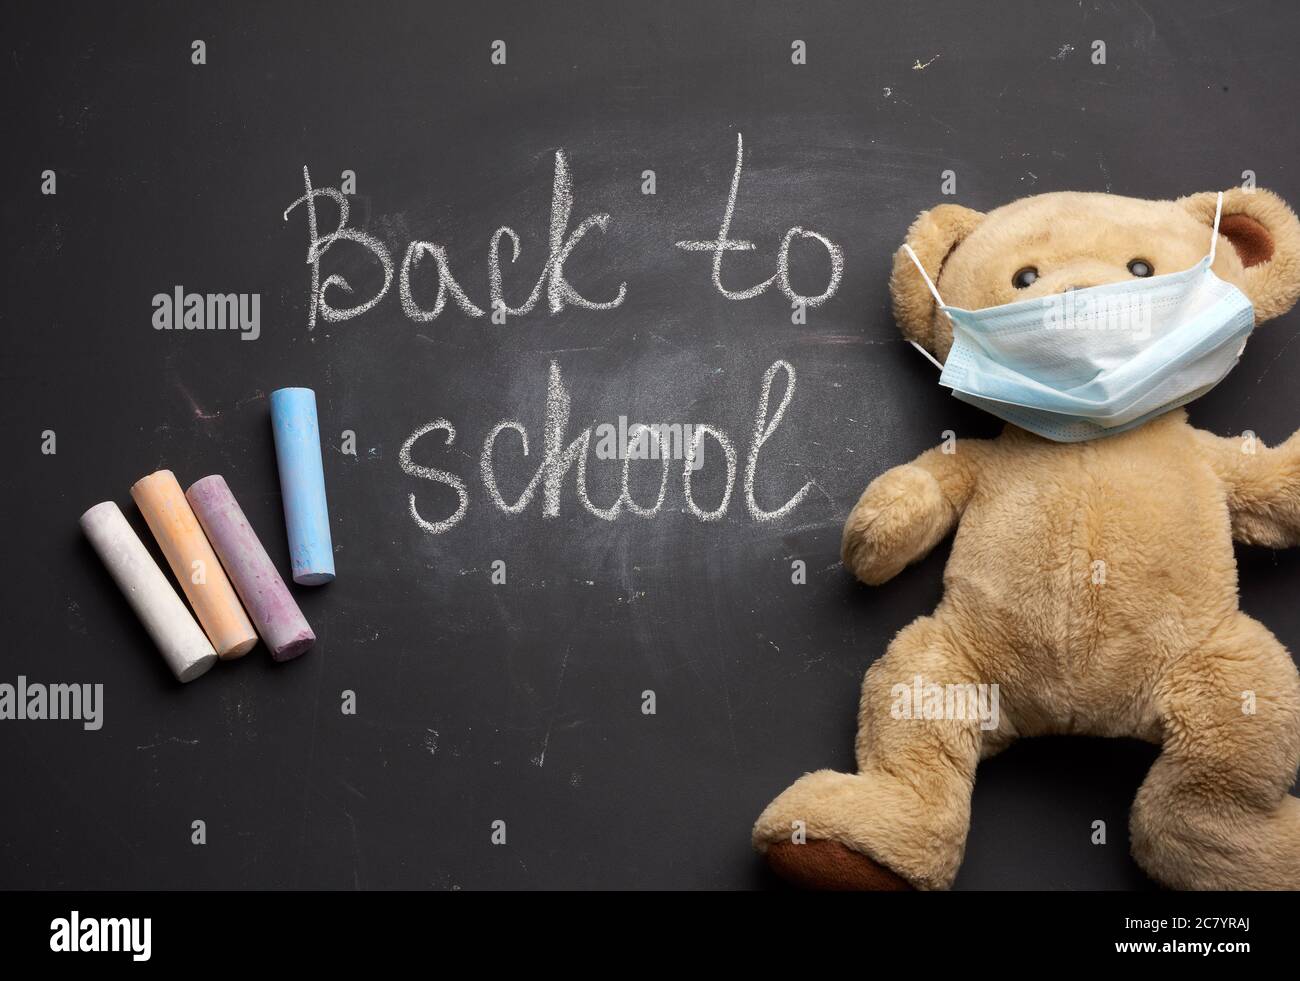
(1024, 277)
(1140, 267)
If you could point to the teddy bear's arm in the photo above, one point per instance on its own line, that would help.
(1263, 485)
(908, 510)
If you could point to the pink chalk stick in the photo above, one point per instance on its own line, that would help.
(266, 598)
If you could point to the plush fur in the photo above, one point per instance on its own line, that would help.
(1095, 583)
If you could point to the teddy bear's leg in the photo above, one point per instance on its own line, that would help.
(1215, 812)
(902, 819)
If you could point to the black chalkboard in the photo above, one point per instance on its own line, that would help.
(523, 702)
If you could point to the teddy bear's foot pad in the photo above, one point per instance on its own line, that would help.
(831, 867)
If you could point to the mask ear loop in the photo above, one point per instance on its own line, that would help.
(1214, 235)
(937, 299)
(1214, 244)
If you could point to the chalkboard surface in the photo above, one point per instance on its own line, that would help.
(525, 701)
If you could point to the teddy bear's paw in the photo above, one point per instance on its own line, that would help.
(831, 867)
(898, 519)
(873, 813)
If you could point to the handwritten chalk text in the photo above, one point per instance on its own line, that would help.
(559, 292)
(723, 244)
(560, 456)
(334, 299)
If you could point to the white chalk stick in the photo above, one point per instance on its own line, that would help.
(180, 639)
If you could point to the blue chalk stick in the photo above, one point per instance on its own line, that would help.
(302, 484)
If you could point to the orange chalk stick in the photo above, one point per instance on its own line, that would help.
(196, 566)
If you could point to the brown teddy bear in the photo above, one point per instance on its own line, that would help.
(1092, 582)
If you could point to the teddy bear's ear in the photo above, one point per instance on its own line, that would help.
(1265, 234)
(933, 235)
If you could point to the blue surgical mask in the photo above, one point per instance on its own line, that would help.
(1097, 361)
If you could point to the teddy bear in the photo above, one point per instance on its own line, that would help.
(1092, 581)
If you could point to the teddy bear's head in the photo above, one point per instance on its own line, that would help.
(1051, 243)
